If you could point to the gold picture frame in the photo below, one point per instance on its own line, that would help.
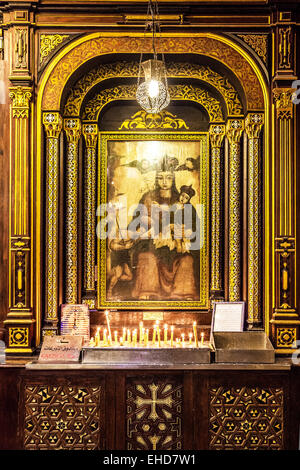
(125, 168)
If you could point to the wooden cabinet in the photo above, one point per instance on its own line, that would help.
(205, 408)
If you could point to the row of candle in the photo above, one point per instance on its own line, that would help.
(131, 338)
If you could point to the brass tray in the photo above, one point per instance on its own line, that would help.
(146, 356)
(252, 347)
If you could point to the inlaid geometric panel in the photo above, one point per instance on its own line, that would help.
(62, 417)
(246, 418)
(154, 413)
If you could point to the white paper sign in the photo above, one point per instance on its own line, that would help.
(228, 316)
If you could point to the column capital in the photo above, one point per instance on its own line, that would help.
(234, 130)
(52, 124)
(253, 125)
(90, 133)
(283, 101)
(72, 129)
(20, 96)
(216, 134)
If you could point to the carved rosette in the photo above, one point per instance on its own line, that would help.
(90, 133)
(253, 126)
(234, 130)
(72, 129)
(216, 133)
(53, 126)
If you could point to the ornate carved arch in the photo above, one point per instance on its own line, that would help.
(123, 69)
(92, 46)
(177, 92)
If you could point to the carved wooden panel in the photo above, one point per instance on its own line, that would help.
(154, 413)
(246, 418)
(62, 417)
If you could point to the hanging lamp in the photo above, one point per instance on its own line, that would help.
(152, 87)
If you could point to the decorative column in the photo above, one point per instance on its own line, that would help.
(53, 126)
(234, 130)
(216, 133)
(90, 132)
(253, 126)
(72, 129)
(285, 319)
(20, 321)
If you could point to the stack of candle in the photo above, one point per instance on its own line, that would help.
(143, 337)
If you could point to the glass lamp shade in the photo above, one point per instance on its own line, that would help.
(152, 95)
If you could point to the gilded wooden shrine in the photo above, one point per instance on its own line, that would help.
(74, 140)
(70, 88)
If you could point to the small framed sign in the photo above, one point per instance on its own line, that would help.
(61, 349)
(228, 316)
(75, 320)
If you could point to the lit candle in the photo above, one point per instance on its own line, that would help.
(141, 332)
(116, 338)
(121, 341)
(147, 338)
(128, 336)
(182, 340)
(92, 342)
(105, 337)
(143, 335)
(97, 337)
(165, 333)
(108, 325)
(134, 338)
(190, 338)
(154, 334)
(124, 333)
(172, 336)
(158, 334)
(202, 339)
(177, 342)
(195, 334)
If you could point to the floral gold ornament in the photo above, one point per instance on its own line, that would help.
(162, 120)
(257, 42)
(49, 42)
(152, 94)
